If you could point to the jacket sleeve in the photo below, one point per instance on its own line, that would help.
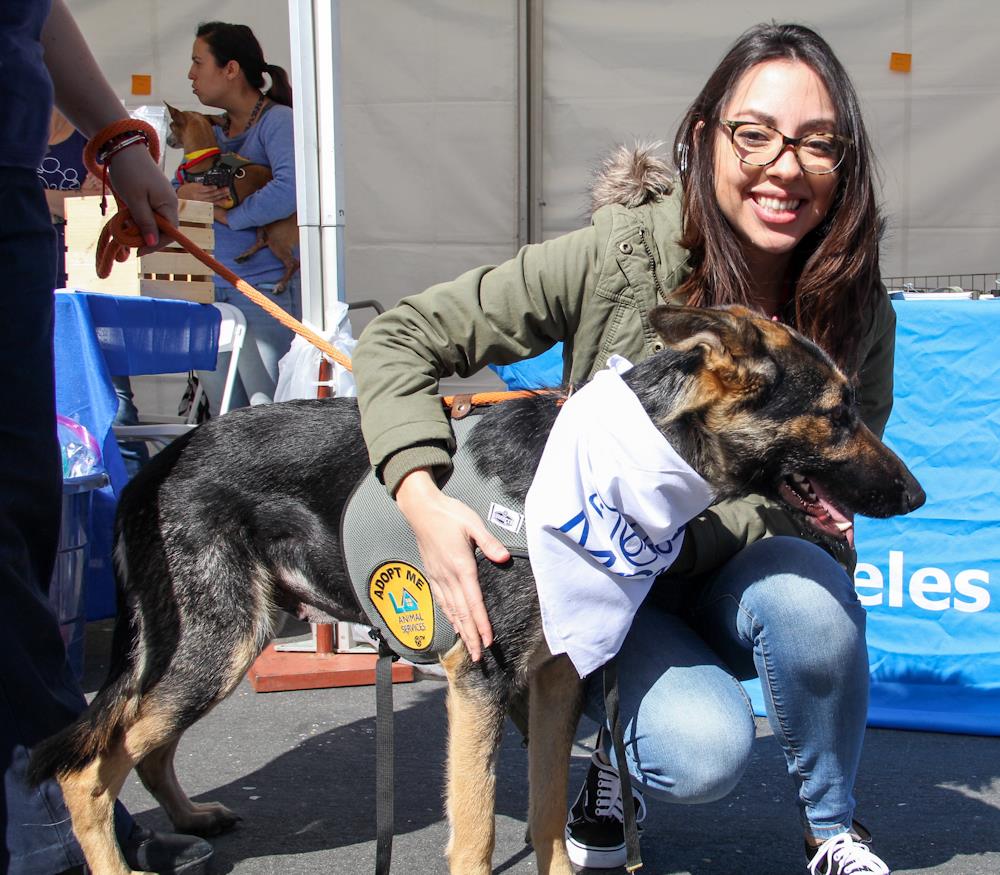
(489, 315)
(276, 200)
(724, 529)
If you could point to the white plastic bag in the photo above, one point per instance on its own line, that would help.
(298, 369)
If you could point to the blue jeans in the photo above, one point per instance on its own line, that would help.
(266, 342)
(785, 611)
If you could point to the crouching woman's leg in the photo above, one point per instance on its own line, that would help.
(784, 610)
(688, 732)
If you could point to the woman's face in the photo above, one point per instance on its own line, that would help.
(209, 81)
(772, 208)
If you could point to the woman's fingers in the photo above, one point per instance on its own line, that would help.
(145, 190)
(447, 533)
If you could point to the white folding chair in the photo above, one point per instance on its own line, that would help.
(232, 333)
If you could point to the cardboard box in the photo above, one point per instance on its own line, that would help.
(169, 273)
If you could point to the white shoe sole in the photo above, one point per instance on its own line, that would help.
(590, 858)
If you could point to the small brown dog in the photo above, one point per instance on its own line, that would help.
(192, 132)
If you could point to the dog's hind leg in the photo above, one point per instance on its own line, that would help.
(556, 697)
(91, 791)
(475, 723)
(259, 243)
(194, 818)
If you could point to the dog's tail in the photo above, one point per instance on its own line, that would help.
(103, 723)
(98, 728)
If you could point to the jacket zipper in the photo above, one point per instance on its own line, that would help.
(652, 265)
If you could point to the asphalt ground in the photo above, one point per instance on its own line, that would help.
(299, 767)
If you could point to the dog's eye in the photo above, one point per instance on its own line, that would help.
(840, 416)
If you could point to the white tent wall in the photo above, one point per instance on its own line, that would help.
(624, 71)
(430, 113)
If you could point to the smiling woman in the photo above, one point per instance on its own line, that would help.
(772, 207)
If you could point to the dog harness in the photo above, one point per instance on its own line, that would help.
(384, 564)
(222, 174)
(386, 571)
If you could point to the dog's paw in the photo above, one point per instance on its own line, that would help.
(207, 819)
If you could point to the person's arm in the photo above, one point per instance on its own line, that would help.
(55, 198)
(875, 377)
(488, 315)
(89, 102)
(276, 200)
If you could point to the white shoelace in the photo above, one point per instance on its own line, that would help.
(609, 794)
(852, 858)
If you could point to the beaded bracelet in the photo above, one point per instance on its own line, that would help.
(116, 144)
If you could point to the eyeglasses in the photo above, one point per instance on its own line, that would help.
(760, 145)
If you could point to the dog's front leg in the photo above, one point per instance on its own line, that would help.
(475, 724)
(556, 697)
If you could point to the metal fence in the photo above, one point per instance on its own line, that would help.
(976, 284)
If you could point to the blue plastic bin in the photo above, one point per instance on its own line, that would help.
(66, 593)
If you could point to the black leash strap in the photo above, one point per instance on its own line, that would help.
(384, 813)
(633, 859)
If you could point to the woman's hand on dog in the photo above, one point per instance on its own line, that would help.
(209, 194)
(447, 533)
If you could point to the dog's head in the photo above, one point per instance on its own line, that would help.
(761, 409)
(189, 130)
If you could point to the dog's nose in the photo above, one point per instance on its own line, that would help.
(915, 497)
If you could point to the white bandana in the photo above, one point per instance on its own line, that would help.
(604, 515)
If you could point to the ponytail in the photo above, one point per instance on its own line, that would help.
(281, 89)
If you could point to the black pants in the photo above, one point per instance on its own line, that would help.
(38, 693)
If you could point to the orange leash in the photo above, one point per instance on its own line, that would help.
(121, 234)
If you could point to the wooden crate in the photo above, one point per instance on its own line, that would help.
(169, 273)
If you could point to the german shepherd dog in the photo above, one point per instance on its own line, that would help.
(192, 132)
(240, 518)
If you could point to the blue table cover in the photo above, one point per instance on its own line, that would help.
(930, 580)
(98, 336)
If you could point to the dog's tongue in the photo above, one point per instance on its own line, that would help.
(832, 520)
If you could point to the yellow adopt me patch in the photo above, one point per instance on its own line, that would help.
(403, 599)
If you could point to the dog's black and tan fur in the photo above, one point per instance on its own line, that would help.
(240, 519)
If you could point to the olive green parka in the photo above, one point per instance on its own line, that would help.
(591, 289)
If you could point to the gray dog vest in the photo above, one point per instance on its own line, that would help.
(384, 564)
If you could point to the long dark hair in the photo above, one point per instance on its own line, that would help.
(236, 42)
(836, 264)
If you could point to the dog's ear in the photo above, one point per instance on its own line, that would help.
(728, 341)
(174, 113)
(727, 331)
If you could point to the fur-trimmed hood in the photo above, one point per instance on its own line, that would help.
(632, 176)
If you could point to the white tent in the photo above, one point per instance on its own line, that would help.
(468, 127)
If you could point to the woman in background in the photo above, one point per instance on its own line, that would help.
(63, 174)
(227, 71)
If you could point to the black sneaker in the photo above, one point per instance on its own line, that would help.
(595, 830)
(166, 853)
(845, 854)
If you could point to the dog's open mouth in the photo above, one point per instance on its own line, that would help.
(821, 513)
